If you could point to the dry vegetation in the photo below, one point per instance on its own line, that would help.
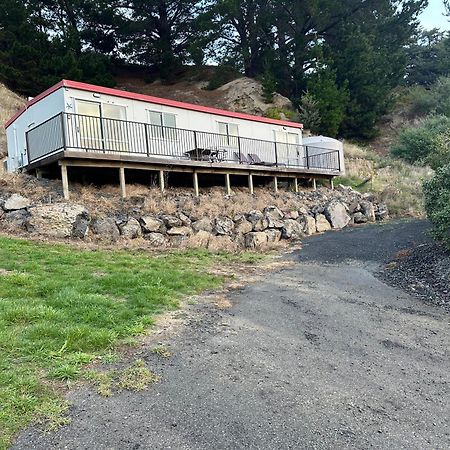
(10, 103)
(398, 184)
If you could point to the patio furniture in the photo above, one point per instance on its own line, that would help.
(255, 159)
(241, 158)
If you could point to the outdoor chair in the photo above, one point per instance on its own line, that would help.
(241, 158)
(255, 159)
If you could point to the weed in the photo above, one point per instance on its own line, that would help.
(161, 350)
(137, 377)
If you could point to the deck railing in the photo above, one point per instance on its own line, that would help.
(67, 131)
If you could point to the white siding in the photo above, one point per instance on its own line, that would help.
(34, 115)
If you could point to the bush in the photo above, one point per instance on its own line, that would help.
(437, 203)
(282, 114)
(222, 75)
(432, 100)
(415, 144)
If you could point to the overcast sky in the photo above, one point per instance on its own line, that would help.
(433, 16)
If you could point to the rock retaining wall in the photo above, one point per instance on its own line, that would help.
(318, 211)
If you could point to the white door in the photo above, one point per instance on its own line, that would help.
(89, 125)
(116, 134)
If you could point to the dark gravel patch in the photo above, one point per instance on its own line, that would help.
(423, 271)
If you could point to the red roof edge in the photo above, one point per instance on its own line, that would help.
(150, 99)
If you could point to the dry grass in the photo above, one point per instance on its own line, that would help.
(10, 103)
(397, 183)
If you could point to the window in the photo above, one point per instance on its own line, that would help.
(286, 138)
(114, 111)
(288, 149)
(167, 122)
(231, 131)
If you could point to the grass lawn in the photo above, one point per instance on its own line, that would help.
(61, 308)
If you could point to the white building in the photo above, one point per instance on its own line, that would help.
(73, 121)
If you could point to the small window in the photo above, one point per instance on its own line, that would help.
(114, 111)
(164, 124)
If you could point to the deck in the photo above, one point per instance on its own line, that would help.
(72, 140)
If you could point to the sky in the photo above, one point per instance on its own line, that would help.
(433, 16)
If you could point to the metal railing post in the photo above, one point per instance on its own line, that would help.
(307, 156)
(239, 148)
(146, 139)
(63, 129)
(196, 144)
(276, 154)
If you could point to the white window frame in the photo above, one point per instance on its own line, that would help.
(229, 137)
(173, 130)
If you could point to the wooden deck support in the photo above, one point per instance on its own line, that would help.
(227, 183)
(296, 184)
(314, 184)
(196, 191)
(123, 188)
(275, 184)
(332, 184)
(250, 183)
(162, 186)
(65, 181)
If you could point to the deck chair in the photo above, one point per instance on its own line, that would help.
(255, 159)
(241, 158)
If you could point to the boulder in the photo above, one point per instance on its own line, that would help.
(368, 210)
(354, 207)
(273, 235)
(203, 224)
(16, 219)
(256, 239)
(223, 226)
(273, 217)
(382, 212)
(16, 202)
(131, 229)
(152, 225)
(179, 231)
(322, 223)
(80, 227)
(185, 220)
(336, 213)
(308, 224)
(171, 221)
(156, 239)
(242, 225)
(292, 215)
(292, 229)
(106, 228)
(57, 219)
(359, 217)
(200, 239)
(257, 219)
(221, 242)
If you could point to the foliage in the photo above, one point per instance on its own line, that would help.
(62, 308)
(309, 113)
(282, 114)
(437, 203)
(222, 75)
(269, 87)
(416, 144)
(434, 99)
(440, 156)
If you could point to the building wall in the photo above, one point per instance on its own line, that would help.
(34, 115)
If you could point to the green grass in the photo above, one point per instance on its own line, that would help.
(61, 308)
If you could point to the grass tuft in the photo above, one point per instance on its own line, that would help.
(137, 377)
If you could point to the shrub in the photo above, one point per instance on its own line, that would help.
(282, 114)
(437, 203)
(222, 75)
(415, 144)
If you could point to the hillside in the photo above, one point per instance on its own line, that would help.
(9, 104)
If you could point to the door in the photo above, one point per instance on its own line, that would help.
(89, 127)
(118, 134)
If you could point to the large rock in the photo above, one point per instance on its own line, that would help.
(80, 227)
(152, 225)
(242, 225)
(16, 219)
(258, 221)
(179, 231)
(322, 223)
(273, 217)
(203, 224)
(16, 202)
(56, 220)
(381, 212)
(336, 213)
(223, 226)
(171, 221)
(273, 235)
(368, 210)
(105, 228)
(200, 239)
(131, 229)
(359, 217)
(292, 229)
(308, 224)
(156, 239)
(221, 242)
(256, 239)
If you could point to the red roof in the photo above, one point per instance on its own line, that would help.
(149, 99)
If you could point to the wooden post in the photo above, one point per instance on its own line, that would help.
(38, 174)
(332, 184)
(161, 181)
(123, 189)
(227, 183)
(196, 192)
(65, 181)
(250, 183)
(275, 184)
(314, 184)
(296, 184)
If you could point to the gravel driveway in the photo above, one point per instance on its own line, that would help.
(319, 355)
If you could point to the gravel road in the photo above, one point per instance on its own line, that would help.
(319, 355)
